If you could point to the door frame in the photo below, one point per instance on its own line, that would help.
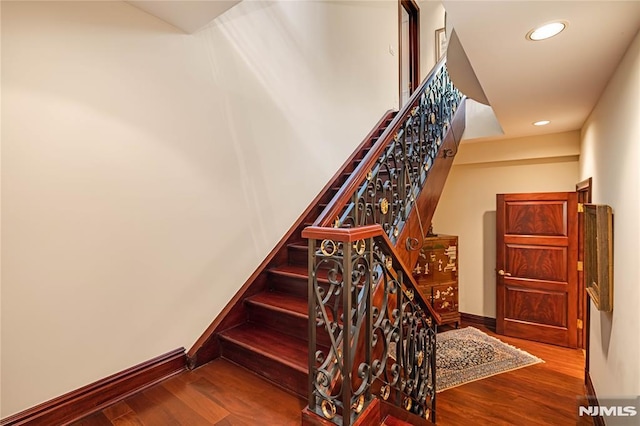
(584, 191)
(414, 45)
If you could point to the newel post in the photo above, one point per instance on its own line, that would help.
(311, 306)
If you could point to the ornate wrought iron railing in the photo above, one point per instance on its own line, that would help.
(372, 339)
(384, 187)
(385, 343)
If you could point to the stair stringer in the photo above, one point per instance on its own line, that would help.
(207, 347)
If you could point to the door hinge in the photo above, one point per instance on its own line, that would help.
(580, 324)
(580, 266)
(580, 208)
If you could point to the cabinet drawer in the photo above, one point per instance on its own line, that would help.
(443, 297)
(437, 261)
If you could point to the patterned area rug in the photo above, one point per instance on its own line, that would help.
(468, 354)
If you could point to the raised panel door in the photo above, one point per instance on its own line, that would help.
(536, 265)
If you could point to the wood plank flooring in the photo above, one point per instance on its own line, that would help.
(221, 394)
(541, 394)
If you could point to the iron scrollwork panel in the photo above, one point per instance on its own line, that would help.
(387, 346)
(341, 309)
(405, 338)
(388, 193)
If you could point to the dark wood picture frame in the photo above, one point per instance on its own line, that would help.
(598, 255)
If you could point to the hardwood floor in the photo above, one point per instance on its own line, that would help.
(221, 393)
(541, 394)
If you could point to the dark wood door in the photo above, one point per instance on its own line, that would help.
(409, 25)
(536, 267)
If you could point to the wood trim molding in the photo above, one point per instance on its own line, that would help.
(592, 398)
(412, 8)
(586, 186)
(472, 319)
(583, 189)
(96, 396)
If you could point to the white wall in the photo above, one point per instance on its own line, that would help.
(467, 207)
(611, 154)
(481, 121)
(431, 18)
(146, 173)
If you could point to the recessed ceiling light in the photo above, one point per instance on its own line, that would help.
(541, 123)
(546, 31)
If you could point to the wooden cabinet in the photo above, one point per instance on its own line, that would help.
(437, 276)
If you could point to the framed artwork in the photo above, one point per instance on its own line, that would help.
(598, 255)
(441, 43)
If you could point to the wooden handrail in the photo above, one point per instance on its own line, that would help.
(347, 235)
(342, 197)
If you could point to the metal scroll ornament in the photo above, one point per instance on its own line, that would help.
(385, 391)
(328, 409)
(328, 247)
(388, 262)
(384, 206)
(358, 405)
(387, 194)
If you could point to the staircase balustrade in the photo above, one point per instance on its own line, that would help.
(383, 188)
(385, 343)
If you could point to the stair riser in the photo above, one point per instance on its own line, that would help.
(286, 324)
(292, 285)
(280, 374)
(299, 256)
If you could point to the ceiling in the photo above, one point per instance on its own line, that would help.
(558, 79)
(188, 15)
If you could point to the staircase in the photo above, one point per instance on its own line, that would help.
(376, 204)
(266, 329)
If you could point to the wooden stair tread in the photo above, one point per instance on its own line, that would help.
(281, 302)
(284, 349)
(298, 245)
(297, 271)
